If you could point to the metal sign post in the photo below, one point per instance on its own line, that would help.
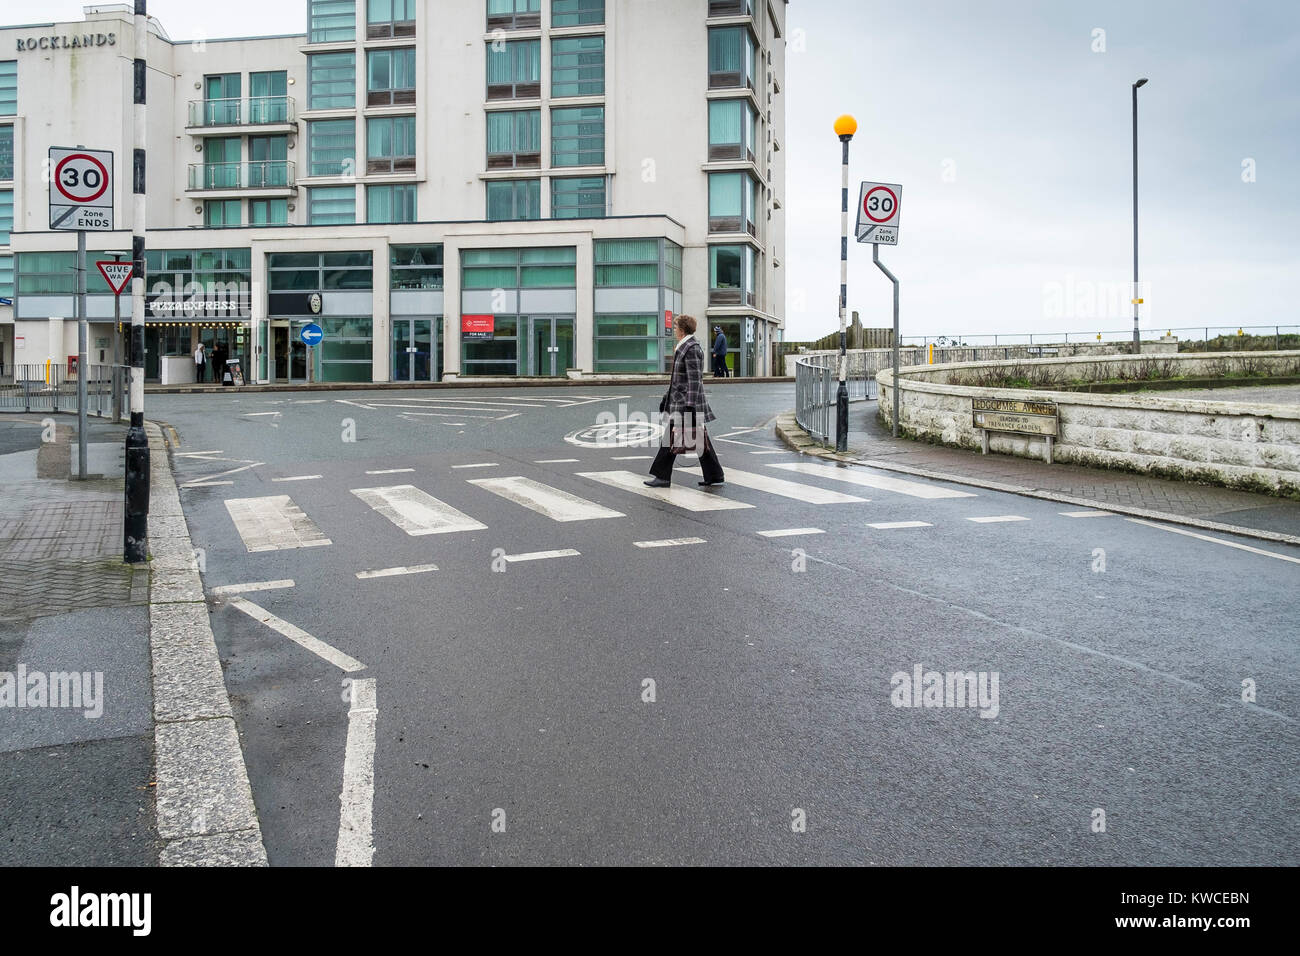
(879, 205)
(83, 335)
(117, 274)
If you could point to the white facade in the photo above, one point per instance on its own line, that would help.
(598, 124)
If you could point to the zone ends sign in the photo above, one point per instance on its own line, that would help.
(878, 208)
(81, 189)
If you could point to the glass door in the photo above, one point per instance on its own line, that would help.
(403, 350)
(413, 350)
(563, 346)
(280, 352)
(550, 345)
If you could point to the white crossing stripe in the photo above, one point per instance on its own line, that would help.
(552, 502)
(297, 478)
(1088, 514)
(415, 511)
(668, 542)
(891, 525)
(394, 572)
(228, 589)
(356, 842)
(994, 519)
(632, 458)
(787, 532)
(871, 479)
(687, 498)
(809, 494)
(770, 451)
(273, 523)
(482, 464)
(390, 471)
(554, 461)
(542, 555)
(297, 635)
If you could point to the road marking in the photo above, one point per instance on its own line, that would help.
(298, 478)
(205, 484)
(632, 458)
(871, 479)
(390, 471)
(737, 441)
(207, 479)
(770, 451)
(543, 555)
(554, 461)
(257, 414)
(668, 542)
(309, 401)
(416, 512)
(297, 635)
(891, 525)
(482, 464)
(356, 843)
(552, 502)
(393, 572)
(787, 532)
(273, 523)
(993, 519)
(195, 454)
(809, 494)
(1088, 514)
(687, 498)
(1206, 537)
(228, 589)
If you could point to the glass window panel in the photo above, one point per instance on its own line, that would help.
(293, 260)
(349, 259)
(218, 213)
(547, 277)
(332, 147)
(390, 137)
(578, 136)
(725, 117)
(268, 212)
(500, 277)
(394, 203)
(332, 81)
(484, 257)
(514, 199)
(294, 280)
(726, 267)
(627, 250)
(332, 21)
(725, 194)
(549, 254)
(6, 152)
(578, 66)
(332, 205)
(578, 198)
(6, 215)
(577, 13)
(646, 325)
(6, 276)
(390, 11)
(8, 87)
(347, 279)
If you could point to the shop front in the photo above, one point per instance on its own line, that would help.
(329, 289)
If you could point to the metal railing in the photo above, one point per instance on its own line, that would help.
(49, 387)
(816, 385)
(1208, 334)
(268, 174)
(246, 111)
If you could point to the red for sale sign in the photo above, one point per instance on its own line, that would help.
(477, 328)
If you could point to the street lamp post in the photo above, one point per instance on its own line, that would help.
(845, 127)
(1137, 337)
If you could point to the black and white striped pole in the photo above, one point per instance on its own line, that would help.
(135, 530)
(845, 127)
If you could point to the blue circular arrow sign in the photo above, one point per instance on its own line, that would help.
(312, 334)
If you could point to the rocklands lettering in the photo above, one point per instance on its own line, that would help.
(60, 41)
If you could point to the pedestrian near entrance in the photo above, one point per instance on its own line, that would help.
(688, 412)
(200, 362)
(719, 353)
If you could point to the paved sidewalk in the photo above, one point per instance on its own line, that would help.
(1202, 506)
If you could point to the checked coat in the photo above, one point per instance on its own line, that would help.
(686, 388)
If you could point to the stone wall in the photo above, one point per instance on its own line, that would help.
(1252, 446)
(873, 360)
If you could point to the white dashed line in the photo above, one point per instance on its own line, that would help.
(228, 589)
(891, 525)
(390, 471)
(298, 478)
(356, 844)
(995, 519)
(394, 572)
(555, 461)
(668, 542)
(297, 635)
(482, 464)
(787, 532)
(1088, 514)
(542, 555)
(632, 458)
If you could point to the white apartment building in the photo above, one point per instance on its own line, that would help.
(449, 188)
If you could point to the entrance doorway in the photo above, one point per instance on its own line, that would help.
(550, 345)
(413, 350)
(288, 353)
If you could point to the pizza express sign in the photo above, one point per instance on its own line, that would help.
(61, 41)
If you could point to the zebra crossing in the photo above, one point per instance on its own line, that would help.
(276, 522)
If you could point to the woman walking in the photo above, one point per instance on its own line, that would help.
(688, 410)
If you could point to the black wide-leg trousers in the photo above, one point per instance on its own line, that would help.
(711, 468)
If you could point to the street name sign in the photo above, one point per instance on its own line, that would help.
(1025, 418)
(116, 274)
(81, 189)
(878, 208)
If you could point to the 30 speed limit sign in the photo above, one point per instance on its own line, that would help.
(81, 189)
(878, 205)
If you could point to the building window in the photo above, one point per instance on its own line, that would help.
(219, 213)
(390, 18)
(672, 266)
(268, 212)
(547, 267)
(268, 166)
(268, 100)
(627, 343)
(415, 267)
(395, 203)
(578, 66)
(331, 81)
(390, 144)
(7, 276)
(6, 215)
(390, 77)
(732, 198)
(8, 87)
(319, 271)
(627, 263)
(577, 13)
(731, 8)
(332, 21)
(731, 58)
(332, 205)
(578, 136)
(512, 199)
(733, 130)
(221, 92)
(578, 198)
(514, 139)
(46, 273)
(332, 147)
(514, 69)
(731, 275)
(514, 14)
(6, 153)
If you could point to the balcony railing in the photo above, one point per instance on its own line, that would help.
(272, 174)
(249, 111)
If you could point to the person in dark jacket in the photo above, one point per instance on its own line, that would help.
(688, 410)
(719, 353)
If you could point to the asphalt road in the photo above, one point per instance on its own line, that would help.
(520, 698)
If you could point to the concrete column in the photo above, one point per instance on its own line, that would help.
(450, 309)
(584, 326)
(258, 303)
(382, 343)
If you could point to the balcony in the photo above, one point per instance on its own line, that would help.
(259, 111)
(275, 177)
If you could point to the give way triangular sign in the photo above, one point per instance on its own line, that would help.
(116, 274)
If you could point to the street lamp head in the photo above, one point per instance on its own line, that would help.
(846, 126)
(1141, 82)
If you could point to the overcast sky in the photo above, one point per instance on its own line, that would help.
(1008, 124)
